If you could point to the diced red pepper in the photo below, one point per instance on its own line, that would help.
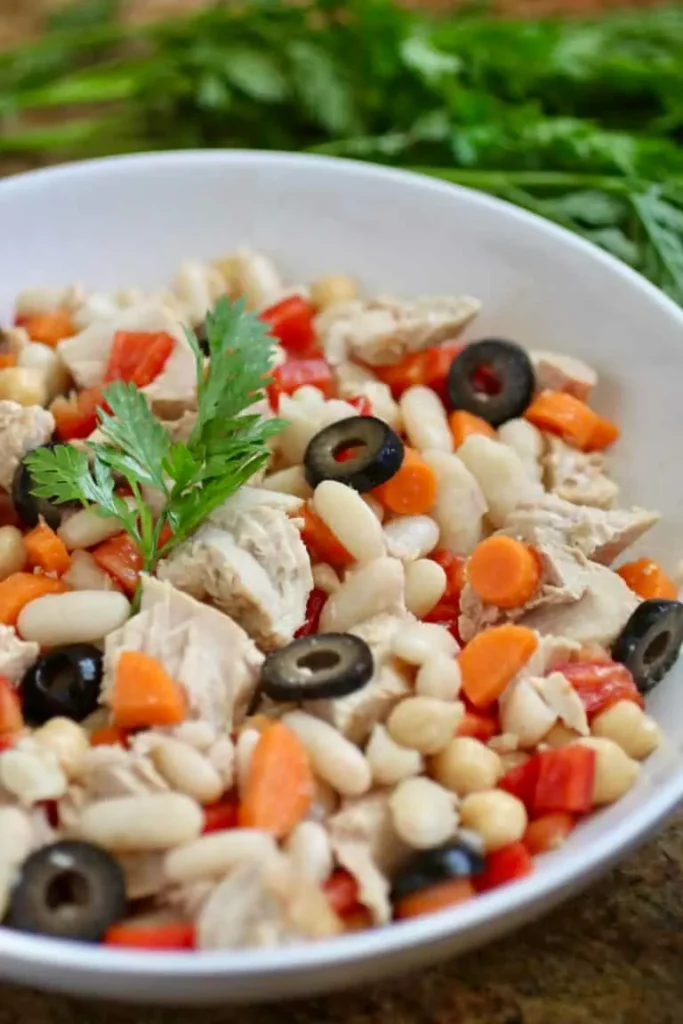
(290, 376)
(503, 866)
(454, 567)
(601, 684)
(479, 725)
(220, 815)
(341, 889)
(521, 782)
(565, 780)
(548, 832)
(76, 416)
(362, 404)
(109, 736)
(175, 936)
(428, 368)
(138, 357)
(314, 606)
(121, 558)
(11, 717)
(291, 322)
(321, 543)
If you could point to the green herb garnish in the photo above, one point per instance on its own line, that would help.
(227, 445)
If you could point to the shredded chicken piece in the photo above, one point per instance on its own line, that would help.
(563, 373)
(22, 428)
(578, 477)
(16, 656)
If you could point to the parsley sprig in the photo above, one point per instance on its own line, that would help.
(228, 444)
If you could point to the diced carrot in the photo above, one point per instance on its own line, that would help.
(317, 600)
(504, 572)
(412, 489)
(321, 543)
(463, 424)
(428, 368)
(573, 420)
(121, 558)
(280, 785)
(180, 935)
(647, 579)
(20, 589)
(601, 684)
(46, 551)
(565, 780)
(49, 328)
(521, 782)
(76, 416)
(503, 866)
(109, 736)
(138, 357)
(478, 725)
(341, 889)
(492, 659)
(11, 717)
(7, 360)
(548, 832)
(144, 694)
(435, 897)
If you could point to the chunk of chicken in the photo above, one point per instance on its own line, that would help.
(256, 570)
(561, 697)
(563, 373)
(22, 428)
(206, 652)
(524, 713)
(578, 477)
(382, 331)
(110, 771)
(16, 656)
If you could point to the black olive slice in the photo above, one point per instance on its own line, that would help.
(510, 371)
(650, 642)
(372, 452)
(68, 890)
(64, 682)
(317, 667)
(457, 859)
(28, 507)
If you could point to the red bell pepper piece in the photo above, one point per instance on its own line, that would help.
(479, 725)
(138, 357)
(11, 717)
(290, 376)
(321, 543)
(175, 936)
(341, 890)
(76, 416)
(291, 322)
(428, 368)
(521, 782)
(503, 866)
(362, 404)
(565, 780)
(314, 606)
(220, 815)
(454, 567)
(121, 558)
(601, 684)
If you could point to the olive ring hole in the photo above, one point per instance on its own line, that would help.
(657, 648)
(319, 661)
(351, 448)
(485, 381)
(67, 890)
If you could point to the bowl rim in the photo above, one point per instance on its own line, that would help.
(558, 875)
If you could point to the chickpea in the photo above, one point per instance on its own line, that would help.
(424, 724)
(47, 361)
(439, 677)
(615, 771)
(466, 766)
(559, 736)
(67, 741)
(625, 723)
(423, 813)
(12, 551)
(498, 817)
(333, 288)
(23, 384)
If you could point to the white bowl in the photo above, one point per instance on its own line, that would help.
(130, 221)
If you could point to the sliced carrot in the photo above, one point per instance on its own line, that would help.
(412, 489)
(504, 572)
(144, 694)
(280, 785)
(47, 551)
(463, 424)
(573, 420)
(109, 736)
(548, 832)
(20, 589)
(121, 558)
(49, 328)
(648, 580)
(436, 897)
(7, 359)
(492, 659)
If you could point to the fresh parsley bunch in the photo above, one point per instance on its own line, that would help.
(227, 446)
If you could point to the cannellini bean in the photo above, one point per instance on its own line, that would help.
(560, 736)
(500, 473)
(12, 551)
(325, 802)
(199, 735)
(81, 616)
(351, 521)
(85, 574)
(371, 590)
(615, 771)
(625, 723)
(86, 528)
(383, 404)
(375, 507)
(527, 441)
(389, 762)
(466, 766)
(417, 642)
(411, 537)
(155, 821)
(425, 586)
(423, 813)
(439, 677)
(460, 503)
(244, 751)
(301, 428)
(424, 724)
(289, 481)
(498, 817)
(23, 384)
(335, 410)
(187, 771)
(67, 740)
(309, 395)
(310, 852)
(325, 578)
(334, 758)
(32, 775)
(35, 356)
(424, 419)
(333, 288)
(214, 855)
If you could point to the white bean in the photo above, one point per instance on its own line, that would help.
(187, 771)
(417, 642)
(498, 817)
(372, 589)
(25, 385)
(615, 771)
(500, 473)
(244, 751)
(375, 507)
(81, 616)
(67, 740)
(423, 813)
(466, 766)
(12, 551)
(41, 299)
(86, 528)
(85, 574)
(32, 775)
(527, 441)
(310, 852)
(310, 396)
(411, 537)
(47, 360)
(325, 578)
(289, 481)
(333, 288)
(335, 410)
(389, 762)
(155, 821)
(325, 802)
(439, 676)
(214, 855)
(17, 835)
(426, 584)
(424, 419)
(351, 521)
(301, 428)
(637, 734)
(334, 758)
(424, 724)
(460, 503)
